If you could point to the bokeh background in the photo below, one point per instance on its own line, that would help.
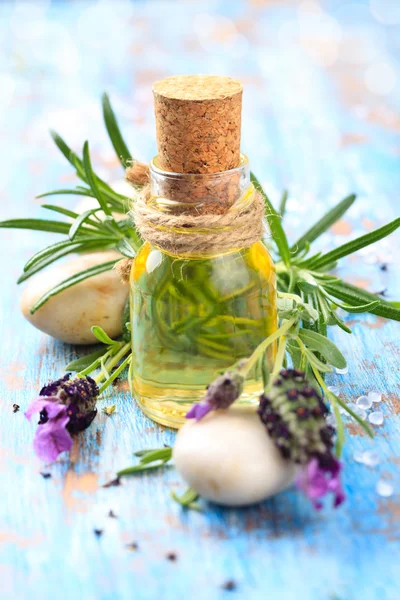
(321, 103)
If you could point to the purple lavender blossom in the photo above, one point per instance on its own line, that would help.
(199, 410)
(65, 406)
(221, 393)
(316, 481)
(294, 415)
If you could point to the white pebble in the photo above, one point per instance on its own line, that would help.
(342, 371)
(228, 458)
(335, 390)
(375, 397)
(370, 458)
(384, 488)
(376, 417)
(364, 402)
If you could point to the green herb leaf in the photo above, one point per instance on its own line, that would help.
(357, 244)
(61, 210)
(282, 206)
(126, 316)
(92, 181)
(340, 431)
(81, 219)
(85, 361)
(357, 297)
(101, 335)
(125, 248)
(115, 374)
(323, 224)
(73, 280)
(364, 425)
(274, 220)
(114, 132)
(37, 225)
(54, 256)
(187, 500)
(150, 459)
(141, 468)
(76, 192)
(74, 246)
(109, 410)
(166, 449)
(323, 345)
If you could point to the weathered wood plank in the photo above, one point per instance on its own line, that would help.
(310, 124)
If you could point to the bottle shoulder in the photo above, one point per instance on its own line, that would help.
(256, 258)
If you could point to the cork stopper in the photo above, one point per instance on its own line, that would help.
(198, 121)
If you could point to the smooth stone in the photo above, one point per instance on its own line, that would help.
(69, 315)
(229, 458)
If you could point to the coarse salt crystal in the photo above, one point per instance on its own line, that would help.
(376, 417)
(358, 456)
(364, 402)
(375, 397)
(335, 390)
(370, 458)
(360, 412)
(342, 371)
(384, 488)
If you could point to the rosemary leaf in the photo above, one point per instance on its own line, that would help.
(84, 218)
(323, 224)
(37, 225)
(114, 132)
(115, 373)
(142, 468)
(101, 335)
(54, 256)
(357, 244)
(282, 205)
(76, 192)
(125, 248)
(357, 297)
(187, 500)
(85, 361)
(274, 220)
(61, 210)
(92, 180)
(73, 280)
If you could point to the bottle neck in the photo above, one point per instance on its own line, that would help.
(198, 194)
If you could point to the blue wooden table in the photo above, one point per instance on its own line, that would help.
(321, 117)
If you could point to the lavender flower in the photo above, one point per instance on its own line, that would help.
(221, 393)
(294, 415)
(316, 481)
(65, 406)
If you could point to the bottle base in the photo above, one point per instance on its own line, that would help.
(168, 407)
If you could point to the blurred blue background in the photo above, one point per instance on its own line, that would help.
(321, 102)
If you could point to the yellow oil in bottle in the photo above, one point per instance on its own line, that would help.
(193, 318)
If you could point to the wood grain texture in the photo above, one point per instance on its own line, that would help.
(311, 123)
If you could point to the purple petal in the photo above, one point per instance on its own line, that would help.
(53, 408)
(199, 410)
(316, 481)
(52, 438)
(37, 405)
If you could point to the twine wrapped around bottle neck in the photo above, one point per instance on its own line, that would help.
(200, 235)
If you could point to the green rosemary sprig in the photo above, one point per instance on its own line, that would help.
(306, 288)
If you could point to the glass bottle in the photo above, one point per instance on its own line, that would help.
(195, 316)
